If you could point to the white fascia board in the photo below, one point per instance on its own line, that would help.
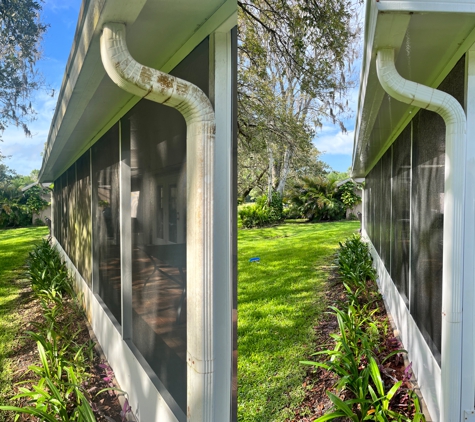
(424, 6)
(371, 93)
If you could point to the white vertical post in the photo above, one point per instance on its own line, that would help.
(468, 334)
(221, 96)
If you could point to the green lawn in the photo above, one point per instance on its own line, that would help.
(279, 301)
(14, 247)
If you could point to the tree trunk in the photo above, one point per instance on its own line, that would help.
(285, 170)
(270, 175)
(251, 186)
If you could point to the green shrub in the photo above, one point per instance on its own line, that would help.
(39, 222)
(262, 213)
(355, 264)
(59, 390)
(354, 356)
(317, 199)
(47, 271)
(347, 193)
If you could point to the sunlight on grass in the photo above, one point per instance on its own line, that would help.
(280, 299)
(14, 247)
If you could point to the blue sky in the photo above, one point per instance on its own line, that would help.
(335, 146)
(25, 152)
(62, 15)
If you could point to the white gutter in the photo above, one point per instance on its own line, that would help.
(198, 112)
(452, 277)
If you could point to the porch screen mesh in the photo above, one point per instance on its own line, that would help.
(83, 218)
(367, 204)
(427, 225)
(64, 211)
(401, 202)
(376, 207)
(57, 205)
(157, 137)
(105, 218)
(71, 210)
(385, 209)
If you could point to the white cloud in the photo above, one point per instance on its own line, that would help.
(26, 151)
(336, 143)
(56, 5)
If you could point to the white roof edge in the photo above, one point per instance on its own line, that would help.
(424, 6)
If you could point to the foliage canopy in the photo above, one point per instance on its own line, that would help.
(294, 61)
(21, 31)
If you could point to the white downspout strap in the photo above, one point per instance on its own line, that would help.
(198, 112)
(452, 279)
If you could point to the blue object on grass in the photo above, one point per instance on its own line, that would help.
(256, 259)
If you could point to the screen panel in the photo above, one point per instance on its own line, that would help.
(106, 230)
(83, 218)
(385, 208)
(71, 212)
(428, 214)
(157, 138)
(57, 195)
(401, 202)
(64, 211)
(376, 206)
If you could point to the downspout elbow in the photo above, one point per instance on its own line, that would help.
(413, 93)
(150, 83)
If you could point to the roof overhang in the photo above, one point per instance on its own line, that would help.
(160, 33)
(429, 37)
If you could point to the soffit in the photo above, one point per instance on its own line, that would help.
(429, 38)
(158, 31)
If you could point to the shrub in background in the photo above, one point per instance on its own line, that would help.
(39, 222)
(348, 195)
(262, 212)
(317, 199)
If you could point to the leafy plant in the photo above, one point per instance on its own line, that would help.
(263, 212)
(47, 271)
(57, 391)
(317, 199)
(353, 358)
(348, 194)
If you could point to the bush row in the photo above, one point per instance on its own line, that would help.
(262, 212)
(58, 390)
(365, 392)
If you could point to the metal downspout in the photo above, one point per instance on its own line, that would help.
(199, 115)
(452, 277)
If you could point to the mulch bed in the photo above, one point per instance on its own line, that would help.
(318, 380)
(106, 405)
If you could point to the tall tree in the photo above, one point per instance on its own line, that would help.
(294, 58)
(21, 32)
